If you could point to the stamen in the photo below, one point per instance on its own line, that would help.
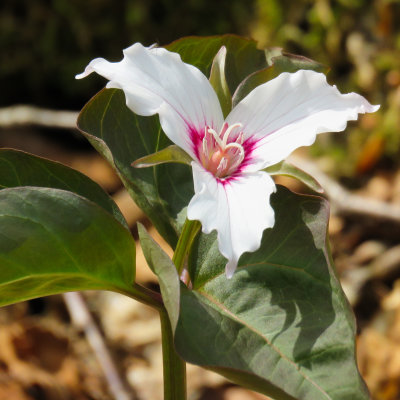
(241, 153)
(216, 137)
(217, 155)
(221, 166)
(240, 138)
(225, 126)
(205, 147)
(228, 132)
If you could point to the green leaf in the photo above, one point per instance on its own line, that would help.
(281, 325)
(218, 81)
(164, 268)
(287, 169)
(170, 154)
(54, 241)
(22, 169)
(123, 137)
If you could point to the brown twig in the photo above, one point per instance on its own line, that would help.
(345, 202)
(81, 317)
(29, 115)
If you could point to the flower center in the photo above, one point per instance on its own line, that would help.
(221, 153)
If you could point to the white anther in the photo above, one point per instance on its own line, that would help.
(240, 138)
(216, 137)
(240, 158)
(228, 132)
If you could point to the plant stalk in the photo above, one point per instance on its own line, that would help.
(143, 295)
(174, 367)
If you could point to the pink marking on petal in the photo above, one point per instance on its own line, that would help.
(226, 181)
(196, 138)
(248, 145)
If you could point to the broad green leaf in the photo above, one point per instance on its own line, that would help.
(281, 325)
(218, 81)
(287, 169)
(22, 169)
(278, 62)
(164, 268)
(54, 241)
(123, 137)
(172, 153)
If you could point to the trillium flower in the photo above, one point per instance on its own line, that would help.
(231, 189)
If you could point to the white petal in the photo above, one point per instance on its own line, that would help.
(155, 80)
(290, 110)
(239, 210)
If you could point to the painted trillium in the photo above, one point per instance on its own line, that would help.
(231, 189)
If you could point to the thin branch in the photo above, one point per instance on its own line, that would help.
(81, 317)
(345, 202)
(29, 115)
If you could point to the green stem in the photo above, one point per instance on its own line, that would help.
(143, 295)
(173, 366)
(189, 232)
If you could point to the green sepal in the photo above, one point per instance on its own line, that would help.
(219, 83)
(287, 169)
(278, 61)
(171, 154)
(251, 82)
(287, 62)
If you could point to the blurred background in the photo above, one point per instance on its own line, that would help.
(44, 353)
